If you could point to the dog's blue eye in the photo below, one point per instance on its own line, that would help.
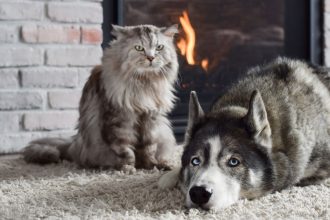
(233, 162)
(195, 161)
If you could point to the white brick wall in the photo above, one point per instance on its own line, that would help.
(14, 55)
(71, 101)
(47, 49)
(73, 56)
(21, 10)
(9, 78)
(49, 120)
(51, 33)
(326, 30)
(49, 77)
(85, 12)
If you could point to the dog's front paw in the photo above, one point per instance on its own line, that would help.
(165, 165)
(169, 179)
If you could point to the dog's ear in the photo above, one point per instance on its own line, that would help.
(256, 120)
(195, 115)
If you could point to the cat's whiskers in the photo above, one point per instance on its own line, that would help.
(163, 71)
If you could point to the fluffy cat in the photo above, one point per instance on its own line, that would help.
(124, 105)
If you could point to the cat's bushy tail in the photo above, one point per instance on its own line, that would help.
(47, 150)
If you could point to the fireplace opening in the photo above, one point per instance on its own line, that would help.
(220, 39)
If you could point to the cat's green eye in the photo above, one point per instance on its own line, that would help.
(159, 47)
(138, 48)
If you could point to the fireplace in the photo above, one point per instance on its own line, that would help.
(220, 39)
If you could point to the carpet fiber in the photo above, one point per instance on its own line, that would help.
(63, 191)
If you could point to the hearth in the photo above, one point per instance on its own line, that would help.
(220, 39)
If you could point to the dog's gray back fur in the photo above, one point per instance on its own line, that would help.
(124, 105)
(277, 119)
(298, 110)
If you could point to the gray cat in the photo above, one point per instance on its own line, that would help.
(124, 105)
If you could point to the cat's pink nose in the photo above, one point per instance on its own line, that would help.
(150, 58)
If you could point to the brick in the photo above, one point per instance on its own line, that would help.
(73, 12)
(49, 77)
(327, 5)
(327, 57)
(9, 78)
(50, 34)
(74, 56)
(21, 10)
(15, 142)
(64, 99)
(327, 21)
(20, 56)
(38, 121)
(327, 39)
(20, 100)
(91, 35)
(8, 34)
(9, 122)
(84, 74)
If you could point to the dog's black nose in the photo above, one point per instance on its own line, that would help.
(199, 195)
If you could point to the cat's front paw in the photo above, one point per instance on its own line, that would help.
(124, 156)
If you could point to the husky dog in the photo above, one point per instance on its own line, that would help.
(268, 132)
(124, 105)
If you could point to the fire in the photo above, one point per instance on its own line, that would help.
(205, 64)
(187, 46)
(182, 46)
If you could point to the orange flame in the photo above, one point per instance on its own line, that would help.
(182, 46)
(187, 46)
(191, 38)
(205, 64)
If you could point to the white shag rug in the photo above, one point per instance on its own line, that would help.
(62, 191)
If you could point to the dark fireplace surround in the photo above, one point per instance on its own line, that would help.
(232, 35)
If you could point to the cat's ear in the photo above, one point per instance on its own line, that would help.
(119, 31)
(171, 30)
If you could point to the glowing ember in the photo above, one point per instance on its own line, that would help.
(187, 46)
(205, 64)
(182, 46)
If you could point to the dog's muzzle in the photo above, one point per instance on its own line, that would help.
(200, 195)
